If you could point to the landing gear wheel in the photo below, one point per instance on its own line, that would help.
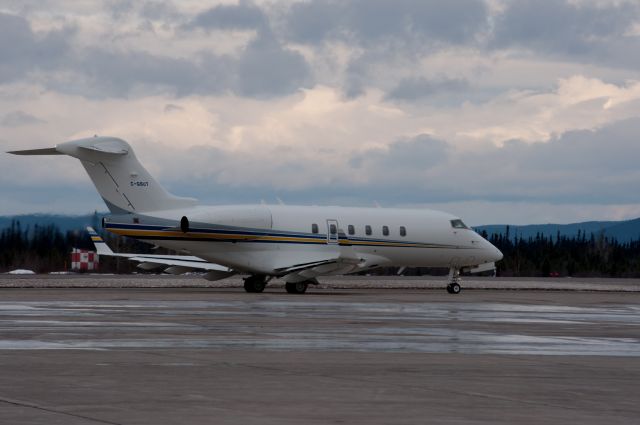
(296, 288)
(254, 284)
(454, 288)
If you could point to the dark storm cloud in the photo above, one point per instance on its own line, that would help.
(23, 51)
(369, 21)
(417, 88)
(587, 31)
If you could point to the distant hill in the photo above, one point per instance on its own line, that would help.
(623, 231)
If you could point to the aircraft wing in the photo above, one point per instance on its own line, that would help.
(343, 260)
(176, 264)
(305, 266)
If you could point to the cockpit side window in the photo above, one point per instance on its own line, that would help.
(458, 224)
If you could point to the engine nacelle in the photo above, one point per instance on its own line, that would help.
(247, 217)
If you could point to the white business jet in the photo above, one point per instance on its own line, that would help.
(295, 243)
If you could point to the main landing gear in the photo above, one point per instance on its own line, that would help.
(297, 287)
(255, 283)
(454, 281)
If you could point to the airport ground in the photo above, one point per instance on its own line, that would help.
(167, 350)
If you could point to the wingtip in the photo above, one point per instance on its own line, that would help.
(42, 151)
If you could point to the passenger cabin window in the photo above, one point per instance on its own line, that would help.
(351, 229)
(367, 229)
(333, 229)
(385, 230)
(314, 228)
(458, 224)
(403, 231)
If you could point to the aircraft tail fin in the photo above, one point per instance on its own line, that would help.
(124, 184)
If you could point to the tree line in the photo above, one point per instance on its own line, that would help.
(45, 249)
(582, 255)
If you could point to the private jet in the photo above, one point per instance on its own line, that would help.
(297, 244)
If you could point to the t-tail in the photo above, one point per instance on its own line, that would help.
(124, 184)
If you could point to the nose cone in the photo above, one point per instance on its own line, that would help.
(496, 253)
(491, 253)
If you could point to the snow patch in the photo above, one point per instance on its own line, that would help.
(21, 271)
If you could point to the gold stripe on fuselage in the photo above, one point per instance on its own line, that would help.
(261, 238)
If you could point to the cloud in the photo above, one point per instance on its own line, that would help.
(267, 69)
(579, 167)
(589, 31)
(106, 73)
(415, 88)
(263, 69)
(413, 156)
(170, 107)
(23, 51)
(18, 119)
(372, 21)
(336, 101)
(586, 166)
(242, 16)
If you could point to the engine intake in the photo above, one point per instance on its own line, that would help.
(184, 224)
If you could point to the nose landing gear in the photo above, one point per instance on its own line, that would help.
(454, 281)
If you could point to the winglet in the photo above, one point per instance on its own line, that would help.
(101, 247)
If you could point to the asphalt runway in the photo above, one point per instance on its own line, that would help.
(168, 355)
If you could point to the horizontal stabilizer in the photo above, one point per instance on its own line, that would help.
(109, 146)
(44, 151)
(101, 247)
(173, 260)
(181, 263)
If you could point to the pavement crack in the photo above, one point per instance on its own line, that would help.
(21, 403)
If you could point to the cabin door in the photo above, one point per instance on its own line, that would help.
(332, 231)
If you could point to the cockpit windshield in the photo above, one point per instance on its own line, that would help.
(458, 224)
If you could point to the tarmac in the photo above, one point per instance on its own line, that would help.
(167, 350)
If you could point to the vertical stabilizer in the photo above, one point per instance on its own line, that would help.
(124, 184)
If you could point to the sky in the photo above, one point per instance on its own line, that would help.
(499, 111)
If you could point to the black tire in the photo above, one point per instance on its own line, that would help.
(455, 288)
(248, 285)
(254, 284)
(296, 288)
(449, 289)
